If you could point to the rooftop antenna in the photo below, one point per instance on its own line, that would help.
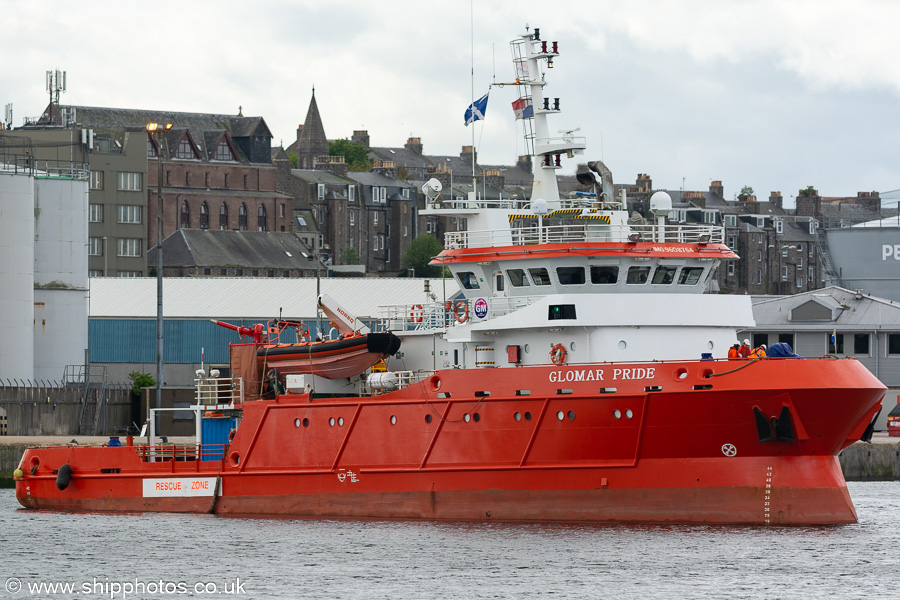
(55, 83)
(8, 113)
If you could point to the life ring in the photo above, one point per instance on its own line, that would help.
(416, 313)
(231, 435)
(464, 315)
(558, 354)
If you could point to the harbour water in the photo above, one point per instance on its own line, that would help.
(166, 555)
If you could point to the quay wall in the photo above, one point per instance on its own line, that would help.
(55, 409)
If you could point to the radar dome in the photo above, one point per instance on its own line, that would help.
(539, 206)
(660, 204)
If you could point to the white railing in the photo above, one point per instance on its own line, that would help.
(219, 390)
(589, 232)
(437, 315)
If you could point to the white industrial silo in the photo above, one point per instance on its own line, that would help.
(16, 274)
(60, 272)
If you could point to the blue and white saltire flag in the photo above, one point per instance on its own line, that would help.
(476, 110)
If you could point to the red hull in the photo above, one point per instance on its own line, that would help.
(668, 457)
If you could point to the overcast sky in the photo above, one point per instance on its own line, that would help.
(774, 94)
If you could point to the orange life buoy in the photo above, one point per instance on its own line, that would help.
(558, 354)
(464, 315)
(231, 435)
(416, 313)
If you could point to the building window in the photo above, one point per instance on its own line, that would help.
(128, 213)
(227, 178)
(204, 216)
(95, 273)
(732, 242)
(387, 229)
(759, 255)
(187, 179)
(129, 246)
(242, 217)
(223, 216)
(786, 338)
(406, 192)
(96, 213)
(709, 216)
(261, 224)
(95, 246)
(730, 220)
(759, 276)
(206, 179)
(185, 215)
(894, 343)
(731, 268)
(779, 226)
(185, 149)
(96, 180)
(223, 152)
(799, 283)
(381, 237)
(281, 211)
(129, 274)
(151, 148)
(351, 193)
(320, 191)
(799, 261)
(129, 182)
(405, 230)
(246, 179)
(784, 273)
(784, 251)
(837, 346)
(810, 274)
(861, 344)
(375, 247)
(374, 218)
(760, 338)
(352, 217)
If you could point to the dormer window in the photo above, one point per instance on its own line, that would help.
(730, 220)
(223, 152)
(779, 226)
(185, 149)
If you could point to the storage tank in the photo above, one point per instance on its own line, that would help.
(60, 273)
(16, 274)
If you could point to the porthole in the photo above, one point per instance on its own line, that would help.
(571, 415)
(709, 345)
(572, 346)
(477, 417)
(428, 418)
(296, 422)
(331, 421)
(340, 421)
(617, 413)
(518, 416)
(622, 345)
(305, 422)
(393, 419)
(527, 416)
(467, 417)
(628, 413)
(560, 415)
(527, 348)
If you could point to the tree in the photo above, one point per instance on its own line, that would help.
(746, 192)
(293, 158)
(809, 191)
(355, 155)
(349, 256)
(140, 380)
(420, 252)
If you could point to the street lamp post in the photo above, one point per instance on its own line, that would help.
(157, 131)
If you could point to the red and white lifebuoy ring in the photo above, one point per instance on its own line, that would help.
(416, 313)
(558, 354)
(463, 316)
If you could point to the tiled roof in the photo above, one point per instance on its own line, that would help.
(867, 311)
(248, 249)
(319, 176)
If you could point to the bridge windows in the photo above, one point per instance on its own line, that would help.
(664, 275)
(604, 275)
(637, 275)
(539, 276)
(570, 275)
(468, 280)
(517, 277)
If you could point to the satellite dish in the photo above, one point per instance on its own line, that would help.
(432, 188)
(539, 206)
(660, 204)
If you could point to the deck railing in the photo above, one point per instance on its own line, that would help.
(181, 452)
(219, 390)
(588, 232)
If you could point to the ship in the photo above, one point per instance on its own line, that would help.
(580, 375)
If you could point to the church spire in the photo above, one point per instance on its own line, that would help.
(312, 140)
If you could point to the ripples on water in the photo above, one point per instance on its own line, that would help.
(295, 558)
